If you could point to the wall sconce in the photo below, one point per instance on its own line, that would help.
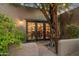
(20, 22)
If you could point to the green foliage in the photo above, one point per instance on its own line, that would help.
(73, 32)
(9, 34)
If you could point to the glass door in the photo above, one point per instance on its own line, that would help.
(36, 31)
(47, 31)
(39, 30)
(31, 30)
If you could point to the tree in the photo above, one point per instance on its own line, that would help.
(49, 10)
(50, 13)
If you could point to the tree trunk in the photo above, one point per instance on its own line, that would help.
(53, 8)
(50, 23)
(53, 22)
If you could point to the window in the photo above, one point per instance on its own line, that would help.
(47, 31)
(40, 30)
(31, 29)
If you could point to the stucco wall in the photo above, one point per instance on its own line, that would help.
(68, 46)
(74, 19)
(17, 13)
(13, 12)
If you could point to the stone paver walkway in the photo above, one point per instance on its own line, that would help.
(44, 51)
(31, 49)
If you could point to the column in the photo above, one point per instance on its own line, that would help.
(44, 30)
(36, 31)
(26, 31)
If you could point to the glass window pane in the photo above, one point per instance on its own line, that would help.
(47, 31)
(31, 29)
(40, 30)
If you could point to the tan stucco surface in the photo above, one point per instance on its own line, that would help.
(16, 12)
(68, 47)
(19, 13)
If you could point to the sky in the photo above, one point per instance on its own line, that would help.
(71, 7)
(74, 5)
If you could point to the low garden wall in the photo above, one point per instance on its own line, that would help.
(68, 46)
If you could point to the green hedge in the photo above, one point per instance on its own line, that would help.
(73, 31)
(9, 34)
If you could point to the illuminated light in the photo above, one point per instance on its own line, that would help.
(21, 22)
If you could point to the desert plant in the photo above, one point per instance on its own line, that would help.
(73, 31)
(9, 34)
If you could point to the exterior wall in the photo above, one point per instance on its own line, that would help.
(69, 20)
(13, 12)
(19, 13)
(74, 19)
(68, 47)
(16, 12)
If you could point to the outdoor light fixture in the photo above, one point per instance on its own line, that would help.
(21, 22)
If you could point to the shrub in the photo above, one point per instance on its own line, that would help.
(73, 31)
(9, 34)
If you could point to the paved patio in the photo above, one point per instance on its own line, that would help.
(67, 47)
(31, 49)
(44, 51)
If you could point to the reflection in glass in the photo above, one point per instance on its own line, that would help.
(47, 31)
(31, 29)
(40, 30)
(37, 31)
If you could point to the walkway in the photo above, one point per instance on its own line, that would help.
(31, 49)
(44, 51)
